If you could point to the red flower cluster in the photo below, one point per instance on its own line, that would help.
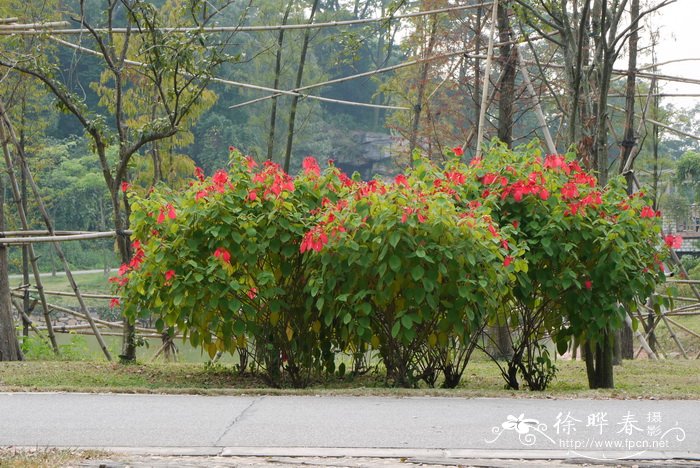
(310, 166)
(458, 151)
(520, 188)
(648, 212)
(169, 275)
(673, 242)
(274, 179)
(314, 240)
(125, 186)
(199, 173)
(171, 213)
(223, 254)
(401, 180)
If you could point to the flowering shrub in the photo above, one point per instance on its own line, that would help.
(221, 262)
(289, 270)
(591, 251)
(405, 269)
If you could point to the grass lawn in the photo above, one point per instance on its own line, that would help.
(677, 379)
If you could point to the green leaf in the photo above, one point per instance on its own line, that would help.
(417, 272)
(394, 238)
(395, 263)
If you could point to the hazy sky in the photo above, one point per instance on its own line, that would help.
(679, 38)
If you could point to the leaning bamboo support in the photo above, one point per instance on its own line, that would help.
(642, 340)
(551, 147)
(683, 327)
(29, 322)
(673, 335)
(95, 320)
(49, 225)
(25, 225)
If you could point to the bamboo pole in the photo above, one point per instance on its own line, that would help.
(54, 238)
(673, 335)
(487, 77)
(25, 225)
(643, 342)
(29, 322)
(5, 28)
(684, 328)
(49, 225)
(95, 320)
(8, 20)
(67, 294)
(233, 29)
(35, 232)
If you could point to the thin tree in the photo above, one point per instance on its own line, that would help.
(177, 66)
(295, 98)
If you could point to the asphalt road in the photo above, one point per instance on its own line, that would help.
(355, 426)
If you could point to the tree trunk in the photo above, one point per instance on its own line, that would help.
(422, 82)
(295, 98)
(503, 342)
(278, 71)
(506, 92)
(599, 367)
(9, 346)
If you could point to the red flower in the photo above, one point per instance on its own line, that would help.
(554, 161)
(516, 223)
(114, 302)
(161, 217)
(199, 173)
(125, 186)
(458, 151)
(171, 212)
(223, 254)
(401, 180)
(169, 275)
(489, 179)
(588, 284)
(544, 194)
(310, 166)
(252, 293)
(250, 162)
(673, 242)
(252, 195)
(507, 261)
(648, 212)
(315, 239)
(421, 218)
(200, 194)
(456, 177)
(569, 190)
(232, 148)
(220, 179)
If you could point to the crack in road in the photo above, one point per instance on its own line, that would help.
(236, 419)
